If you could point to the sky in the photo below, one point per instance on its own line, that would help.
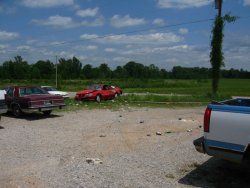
(165, 33)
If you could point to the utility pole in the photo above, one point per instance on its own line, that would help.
(216, 54)
(218, 5)
(56, 72)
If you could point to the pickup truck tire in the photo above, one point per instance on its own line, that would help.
(17, 112)
(47, 112)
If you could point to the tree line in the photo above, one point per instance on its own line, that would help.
(69, 69)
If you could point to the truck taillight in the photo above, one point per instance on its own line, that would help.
(207, 119)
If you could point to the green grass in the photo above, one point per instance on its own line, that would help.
(177, 92)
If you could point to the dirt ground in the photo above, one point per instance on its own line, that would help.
(130, 147)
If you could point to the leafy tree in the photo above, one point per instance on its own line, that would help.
(45, 69)
(120, 72)
(87, 72)
(35, 73)
(69, 69)
(17, 69)
(134, 70)
(21, 68)
(104, 71)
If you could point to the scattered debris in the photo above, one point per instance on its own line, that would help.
(142, 121)
(148, 134)
(1, 127)
(168, 132)
(189, 130)
(120, 115)
(169, 176)
(180, 119)
(94, 161)
(158, 133)
(102, 135)
(200, 126)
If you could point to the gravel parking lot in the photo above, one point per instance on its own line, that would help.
(130, 147)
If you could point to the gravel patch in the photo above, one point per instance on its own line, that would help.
(103, 148)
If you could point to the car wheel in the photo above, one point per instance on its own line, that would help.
(47, 112)
(98, 98)
(17, 111)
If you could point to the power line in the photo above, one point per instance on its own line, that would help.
(122, 33)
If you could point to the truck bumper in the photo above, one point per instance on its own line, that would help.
(43, 108)
(199, 144)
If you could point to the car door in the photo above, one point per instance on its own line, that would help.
(107, 92)
(9, 97)
(110, 92)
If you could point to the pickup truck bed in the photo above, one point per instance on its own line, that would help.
(226, 130)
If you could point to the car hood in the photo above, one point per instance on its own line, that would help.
(57, 92)
(85, 91)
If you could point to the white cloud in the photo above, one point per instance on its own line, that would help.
(110, 50)
(180, 4)
(88, 37)
(159, 22)
(97, 22)
(87, 12)
(91, 47)
(183, 31)
(46, 3)
(24, 47)
(118, 21)
(4, 35)
(56, 21)
(3, 46)
(246, 2)
(121, 59)
(155, 38)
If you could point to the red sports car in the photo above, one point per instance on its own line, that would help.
(97, 92)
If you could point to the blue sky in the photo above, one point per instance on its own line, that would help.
(166, 33)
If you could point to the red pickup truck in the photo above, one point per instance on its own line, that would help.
(25, 99)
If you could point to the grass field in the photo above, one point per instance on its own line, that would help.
(179, 92)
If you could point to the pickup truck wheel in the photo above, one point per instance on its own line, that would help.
(47, 112)
(17, 111)
(98, 98)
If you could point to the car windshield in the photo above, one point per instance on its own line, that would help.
(95, 87)
(31, 91)
(49, 88)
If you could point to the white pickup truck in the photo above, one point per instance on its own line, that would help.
(226, 130)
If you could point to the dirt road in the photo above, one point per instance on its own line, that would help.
(103, 148)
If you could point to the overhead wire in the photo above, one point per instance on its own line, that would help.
(121, 33)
